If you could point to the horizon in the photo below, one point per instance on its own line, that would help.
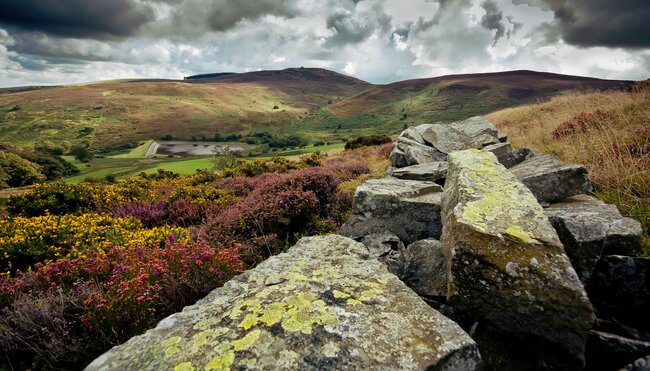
(184, 78)
(48, 42)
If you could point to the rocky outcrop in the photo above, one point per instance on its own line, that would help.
(551, 180)
(430, 171)
(409, 209)
(325, 304)
(589, 228)
(641, 364)
(507, 266)
(428, 143)
(620, 289)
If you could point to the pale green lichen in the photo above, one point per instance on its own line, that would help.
(246, 342)
(498, 202)
(184, 366)
(221, 362)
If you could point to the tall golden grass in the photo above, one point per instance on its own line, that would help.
(607, 132)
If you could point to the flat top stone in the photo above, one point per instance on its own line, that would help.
(325, 304)
(540, 165)
(475, 125)
(497, 202)
(399, 188)
(431, 167)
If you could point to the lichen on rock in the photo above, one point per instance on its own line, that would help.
(507, 266)
(324, 304)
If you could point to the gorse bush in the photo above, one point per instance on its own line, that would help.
(84, 267)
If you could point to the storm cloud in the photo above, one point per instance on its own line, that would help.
(67, 41)
(100, 19)
(622, 23)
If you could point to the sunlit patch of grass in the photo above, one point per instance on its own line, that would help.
(614, 145)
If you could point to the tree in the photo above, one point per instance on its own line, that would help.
(15, 171)
(223, 157)
(81, 153)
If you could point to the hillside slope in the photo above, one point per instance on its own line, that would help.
(315, 103)
(386, 108)
(114, 113)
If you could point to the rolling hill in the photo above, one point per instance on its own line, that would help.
(316, 103)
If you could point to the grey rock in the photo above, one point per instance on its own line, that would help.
(503, 137)
(324, 304)
(446, 138)
(620, 288)
(589, 228)
(641, 364)
(425, 268)
(408, 208)
(408, 152)
(431, 171)
(507, 266)
(481, 131)
(503, 151)
(388, 249)
(517, 156)
(612, 352)
(551, 180)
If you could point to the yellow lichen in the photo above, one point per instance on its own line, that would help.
(184, 366)
(221, 362)
(246, 342)
(516, 232)
(202, 338)
(340, 294)
(353, 302)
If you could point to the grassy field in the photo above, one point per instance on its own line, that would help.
(608, 132)
(137, 152)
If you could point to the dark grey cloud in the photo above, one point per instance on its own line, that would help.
(621, 23)
(354, 27)
(225, 14)
(99, 19)
(493, 19)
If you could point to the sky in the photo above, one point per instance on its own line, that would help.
(50, 42)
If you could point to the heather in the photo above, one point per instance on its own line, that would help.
(87, 266)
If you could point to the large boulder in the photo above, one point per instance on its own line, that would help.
(408, 152)
(409, 209)
(425, 268)
(507, 266)
(589, 228)
(432, 142)
(480, 131)
(431, 171)
(325, 304)
(620, 288)
(551, 180)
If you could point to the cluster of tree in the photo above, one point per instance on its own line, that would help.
(22, 167)
(368, 140)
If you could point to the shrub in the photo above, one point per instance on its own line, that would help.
(81, 153)
(580, 123)
(370, 140)
(17, 171)
(65, 313)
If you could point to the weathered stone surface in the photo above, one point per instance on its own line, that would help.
(589, 228)
(503, 151)
(325, 304)
(550, 179)
(408, 152)
(620, 288)
(612, 352)
(507, 265)
(517, 156)
(431, 171)
(388, 249)
(408, 208)
(481, 131)
(431, 142)
(641, 364)
(425, 269)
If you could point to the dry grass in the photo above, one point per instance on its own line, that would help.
(611, 137)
